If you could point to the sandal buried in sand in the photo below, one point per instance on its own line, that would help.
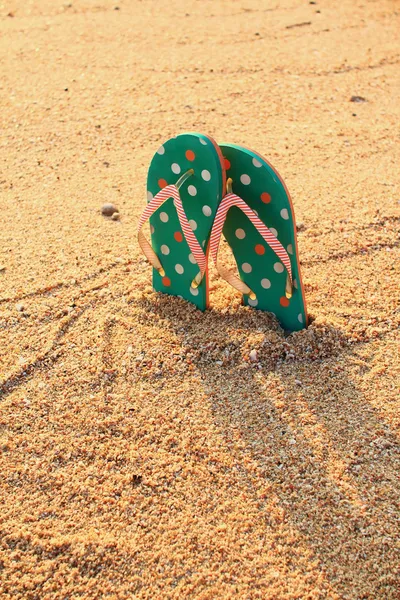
(185, 183)
(257, 220)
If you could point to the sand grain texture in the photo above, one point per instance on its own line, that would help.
(143, 454)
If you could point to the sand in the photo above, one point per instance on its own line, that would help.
(143, 454)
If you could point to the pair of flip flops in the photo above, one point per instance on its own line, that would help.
(198, 190)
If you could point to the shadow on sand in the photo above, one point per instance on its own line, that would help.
(322, 450)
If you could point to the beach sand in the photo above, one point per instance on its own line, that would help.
(143, 454)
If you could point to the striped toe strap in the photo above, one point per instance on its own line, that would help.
(171, 191)
(227, 202)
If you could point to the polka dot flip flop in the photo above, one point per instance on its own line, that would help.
(257, 219)
(185, 183)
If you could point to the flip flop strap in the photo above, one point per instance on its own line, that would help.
(170, 191)
(233, 200)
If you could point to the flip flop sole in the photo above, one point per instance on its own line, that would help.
(261, 187)
(201, 195)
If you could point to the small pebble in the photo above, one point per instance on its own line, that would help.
(116, 216)
(253, 355)
(298, 382)
(300, 226)
(108, 210)
(20, 307)
(358, 99)
(2, 268)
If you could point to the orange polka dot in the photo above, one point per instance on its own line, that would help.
(190, 155)
(284, 301)
(265, 197)
(259, 249)
(162, 183)
(178, 236)
(166, 281)
(227, 164)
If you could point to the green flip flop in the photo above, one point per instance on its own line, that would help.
(185, 184)
(257, 220)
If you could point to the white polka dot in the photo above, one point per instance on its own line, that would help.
(161, 150)
(192, 190)
(290, 249)
(273, 231)
(255, 212)
(278, 267)
(152, 229)
(164, 249)
(206, 211)
(300, 317)
(192, 259)
(193, 224)
(204, 142)
(245, 179)
(253, 302)
(247, 268)
(284, 214)
(206, 175)
(175, 168)
(203, 243)
(265, 283)
(179, 269)
(257, 163)
(164, 217)
(295, 284)
(149, 196)
(194, 291)
(240, 234)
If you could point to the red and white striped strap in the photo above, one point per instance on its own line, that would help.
(171, 191)
(227, 202)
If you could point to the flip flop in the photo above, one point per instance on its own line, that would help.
(257, 220)
(185, 183)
